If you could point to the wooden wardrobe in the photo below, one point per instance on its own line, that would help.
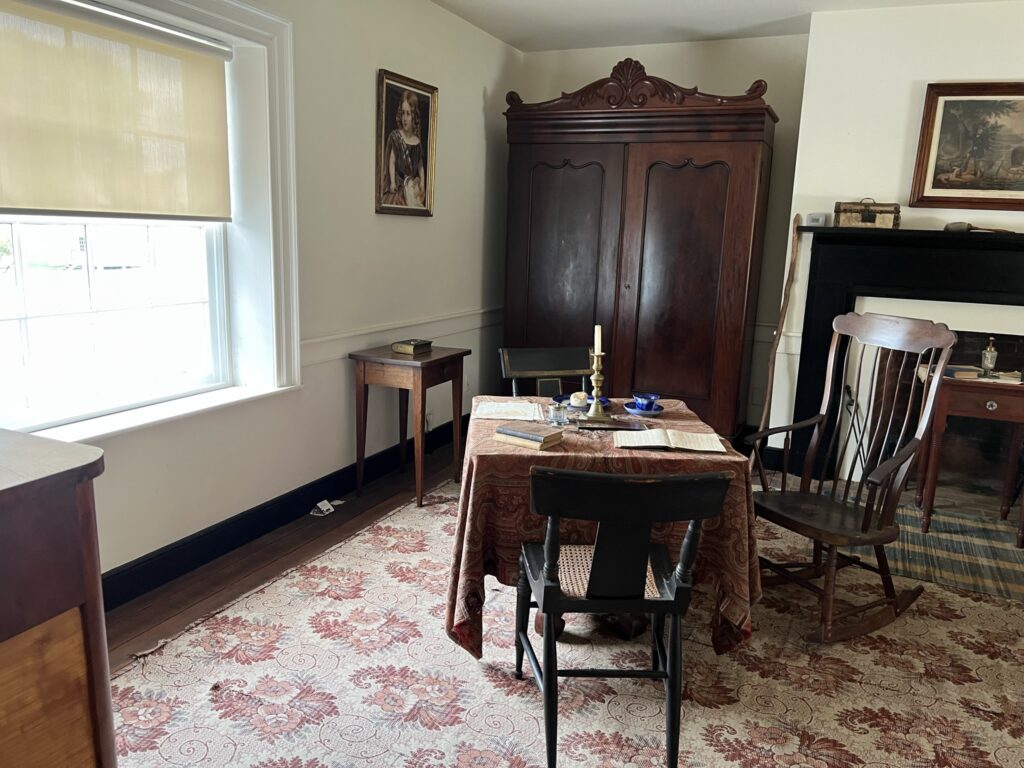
(639, 205)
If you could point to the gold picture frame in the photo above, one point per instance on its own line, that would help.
(406, 145)
(970, 154)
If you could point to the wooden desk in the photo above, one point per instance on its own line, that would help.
(55, 706)
(414, 374)
(495, 518)
(980, 400)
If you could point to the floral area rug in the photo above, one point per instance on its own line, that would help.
(344, 662)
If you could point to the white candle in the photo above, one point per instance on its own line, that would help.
(597, 339)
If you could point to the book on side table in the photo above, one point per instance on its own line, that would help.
(671, 439)
(528, 435)
(411, 346)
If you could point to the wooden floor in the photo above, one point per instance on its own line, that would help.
(140, 625)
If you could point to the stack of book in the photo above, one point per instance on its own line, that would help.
(411, 346)
(528, 435)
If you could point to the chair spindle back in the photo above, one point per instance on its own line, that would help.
(882, 376)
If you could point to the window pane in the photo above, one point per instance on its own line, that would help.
(180, 264)
(53, 262)
(13, 401)
(121, 266)
(10, 294)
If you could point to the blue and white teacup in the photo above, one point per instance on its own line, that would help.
(645, 401)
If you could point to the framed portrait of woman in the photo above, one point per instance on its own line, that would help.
(406, 137)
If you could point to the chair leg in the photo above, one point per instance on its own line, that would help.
(876, 614)
(898, 602)
(673, 690)
(550, 676)
(522, 615)
(657, 630)
(829, 592)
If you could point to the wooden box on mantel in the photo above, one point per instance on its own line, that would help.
(867, 213)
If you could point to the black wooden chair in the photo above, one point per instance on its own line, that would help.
(547, 365)
(880, 384)
(623, 572)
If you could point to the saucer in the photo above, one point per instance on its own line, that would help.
(605, 402)
(632, 409)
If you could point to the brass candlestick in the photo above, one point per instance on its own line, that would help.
(596, 412)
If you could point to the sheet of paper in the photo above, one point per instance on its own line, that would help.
(696, 441)
(509, 410)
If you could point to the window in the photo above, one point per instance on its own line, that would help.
(106, 315)
(141, 278)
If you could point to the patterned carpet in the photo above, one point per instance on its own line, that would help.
(344, 662)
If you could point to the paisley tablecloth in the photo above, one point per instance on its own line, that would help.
(495, 518)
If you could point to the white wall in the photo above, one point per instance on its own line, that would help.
(725, 67)
(862, 101)
(365, 278)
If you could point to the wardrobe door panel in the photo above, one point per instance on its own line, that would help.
(681, 256)
(688, 227)
(564, 214)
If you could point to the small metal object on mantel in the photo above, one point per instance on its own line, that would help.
(867, 213)
(966, 226)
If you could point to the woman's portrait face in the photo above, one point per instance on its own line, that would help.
(405, 117)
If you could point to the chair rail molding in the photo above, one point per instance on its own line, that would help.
(324, 349)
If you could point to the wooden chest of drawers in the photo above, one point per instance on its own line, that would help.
(55, 707)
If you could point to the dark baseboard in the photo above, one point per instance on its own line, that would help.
(128, 581)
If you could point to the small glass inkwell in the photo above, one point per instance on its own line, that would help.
(988, 359)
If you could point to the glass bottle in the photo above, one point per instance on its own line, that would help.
(988, 358)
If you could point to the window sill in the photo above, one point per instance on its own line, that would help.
(150, 415)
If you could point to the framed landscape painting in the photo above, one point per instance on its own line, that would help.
(971, 150)
(406, 137)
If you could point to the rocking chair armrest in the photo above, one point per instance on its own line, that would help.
(886, 468)
(751, 439)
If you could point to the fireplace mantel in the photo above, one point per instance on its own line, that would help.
(848, 262)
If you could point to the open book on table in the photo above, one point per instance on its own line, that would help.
(672, 439)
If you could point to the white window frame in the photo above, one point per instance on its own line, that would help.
(261, 240)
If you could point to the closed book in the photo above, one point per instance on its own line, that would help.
(411, 346)
(526, 430)
(512, 440)
(962, 372)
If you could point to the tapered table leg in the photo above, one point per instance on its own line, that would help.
(1010, 471)
(403, 426)
(932, 476)
(361, 392)
(419, 397)
(457, 418)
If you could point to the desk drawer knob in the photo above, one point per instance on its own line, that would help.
(991, 405)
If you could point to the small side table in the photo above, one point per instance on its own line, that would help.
(978, 399)
(408, 373)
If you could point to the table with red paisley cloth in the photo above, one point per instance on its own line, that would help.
(495, 518)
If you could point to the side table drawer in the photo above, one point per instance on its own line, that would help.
(436, 374)
(1004, 406)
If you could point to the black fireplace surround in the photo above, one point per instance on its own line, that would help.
(974, 267)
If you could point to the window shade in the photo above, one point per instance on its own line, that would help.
(95, 120)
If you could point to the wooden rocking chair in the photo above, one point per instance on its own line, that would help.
(880, 384)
